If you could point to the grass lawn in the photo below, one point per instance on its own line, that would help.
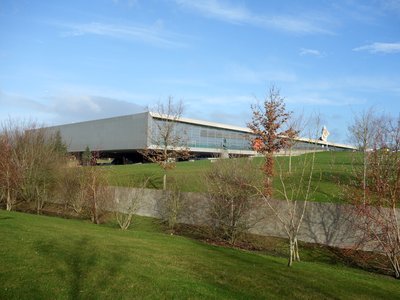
(52, 258)
(330, 167)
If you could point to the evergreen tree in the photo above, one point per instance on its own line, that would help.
(59, 145)
(86, 156)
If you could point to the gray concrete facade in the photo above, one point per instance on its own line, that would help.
(125, 133)
(132, 133)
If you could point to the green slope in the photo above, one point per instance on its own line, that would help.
(330, 168)
(52, 258)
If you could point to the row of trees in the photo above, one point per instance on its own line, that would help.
(375, 188)
(35, 170)
(29, 163)
(233, 187)
(33, 166)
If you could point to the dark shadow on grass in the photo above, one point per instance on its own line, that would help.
(242, 266)
(80, 261)
(81, 266)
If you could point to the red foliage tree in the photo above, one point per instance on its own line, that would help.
(268, 125)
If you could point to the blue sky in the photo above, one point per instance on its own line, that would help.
(69, 61)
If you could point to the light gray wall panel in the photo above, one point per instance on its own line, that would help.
(119, 133)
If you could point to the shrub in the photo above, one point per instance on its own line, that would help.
(171, 205)
(232, 203)
(29, 160)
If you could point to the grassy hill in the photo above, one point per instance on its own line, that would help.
(330, 167)
(53, 258)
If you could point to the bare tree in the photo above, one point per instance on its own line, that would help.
(168, 140)
(34, 169)
(124, 211)
(362, 133)
(172, 205)
(267, 124)
(233, 206)
(10, 173)
(96, 192)
(30, 158)
(377, 202)
(85, 191)
(71, 189)
(295, 125)
(40, 160)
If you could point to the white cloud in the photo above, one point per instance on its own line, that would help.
(380, 48)
(225, 11)
(218, 10)
(154, 34)
(14, 100)
(362, 83)
(230, 108)
(311, 52)
(66, 108)
(84, 107)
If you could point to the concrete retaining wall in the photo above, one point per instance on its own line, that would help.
(324, 223)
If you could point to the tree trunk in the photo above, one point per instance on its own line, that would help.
(269, 173)
(291, 252)
(96, 210)
(95, 216)
(94, 204)
(296, 250)
(39, 200)
(396, 267)
(365, 176)
(165, 181)
(9, 201)
(232, 225)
